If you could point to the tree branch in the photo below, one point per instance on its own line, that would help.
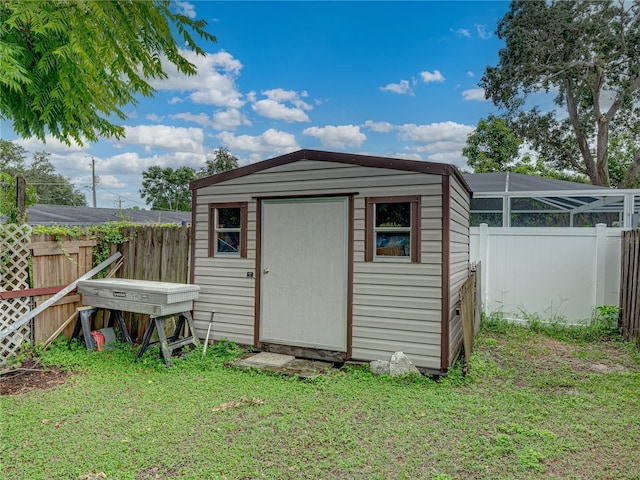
(572, 108)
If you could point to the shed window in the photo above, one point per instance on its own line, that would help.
(228, 234)
(393, 229)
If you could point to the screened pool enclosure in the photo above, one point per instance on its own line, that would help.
(514, 200)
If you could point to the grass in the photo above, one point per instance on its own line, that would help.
(537, 404)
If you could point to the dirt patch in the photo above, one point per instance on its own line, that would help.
(156, 473)
(589, 358)
(28, 376)
(551, 354)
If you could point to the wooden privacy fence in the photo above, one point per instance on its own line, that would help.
(159, 253)
(57, 262)
(470, 312)
(630, 286)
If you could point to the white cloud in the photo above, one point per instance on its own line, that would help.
(214, 84)
(475, 94)
(407, 156)
(428, 77)
(442, 142)
(132, 163)
(482, 31)
(175, 100)
(201, 119)
(229, 119)
(185, 8)
(51, 144)
(452, 158)
(164, 137)
(434, 131)
(463, 31)
(470, 74)
(274, 106)
(154, 118)
(103, 181)
(339, 136)
(402, 88)
(379, 127)
(271, 141)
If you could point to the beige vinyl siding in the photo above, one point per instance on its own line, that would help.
(396, 306)
(458, 258)
(224, 285)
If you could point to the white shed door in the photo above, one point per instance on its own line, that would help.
(303, 283)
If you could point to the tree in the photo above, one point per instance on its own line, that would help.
(222, 161)
(48, 186)
(589, 53)
(68, 67)
(8, 201)
(166, 188)
(492, 147)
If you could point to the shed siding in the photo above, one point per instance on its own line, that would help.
(396, 306)
(458, 259)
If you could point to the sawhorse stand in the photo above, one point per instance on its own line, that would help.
(84, 323)
(168, 345)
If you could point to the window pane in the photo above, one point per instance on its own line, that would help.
(393, 244)
(393, 214)
(228, 242)
(228, 217)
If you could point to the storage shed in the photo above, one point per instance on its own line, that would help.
(334, 256)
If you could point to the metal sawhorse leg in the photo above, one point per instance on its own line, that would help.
(83, 323)
(168, 345)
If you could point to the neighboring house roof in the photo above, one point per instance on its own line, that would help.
(518, 182)
(41, 214)
(431, 168)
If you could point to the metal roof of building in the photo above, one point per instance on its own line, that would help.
(41, 214)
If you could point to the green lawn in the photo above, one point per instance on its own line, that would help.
(532, 407)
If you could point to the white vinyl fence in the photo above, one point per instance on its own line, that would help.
(549, 272)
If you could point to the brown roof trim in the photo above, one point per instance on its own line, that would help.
(348, 158)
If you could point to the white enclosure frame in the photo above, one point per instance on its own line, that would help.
(569, 201)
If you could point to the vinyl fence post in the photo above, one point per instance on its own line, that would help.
(600, 264)
(483, 254)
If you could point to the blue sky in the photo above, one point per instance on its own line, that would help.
(382, 78)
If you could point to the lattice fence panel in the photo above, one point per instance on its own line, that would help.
(14, 275)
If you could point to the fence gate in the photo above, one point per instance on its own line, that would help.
(630, 286)
(14, 275)
(57, 262)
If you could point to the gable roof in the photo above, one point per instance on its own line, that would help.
(518, 182)
(431, 168)
(41, 214)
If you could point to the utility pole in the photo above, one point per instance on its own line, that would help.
(93, 180)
